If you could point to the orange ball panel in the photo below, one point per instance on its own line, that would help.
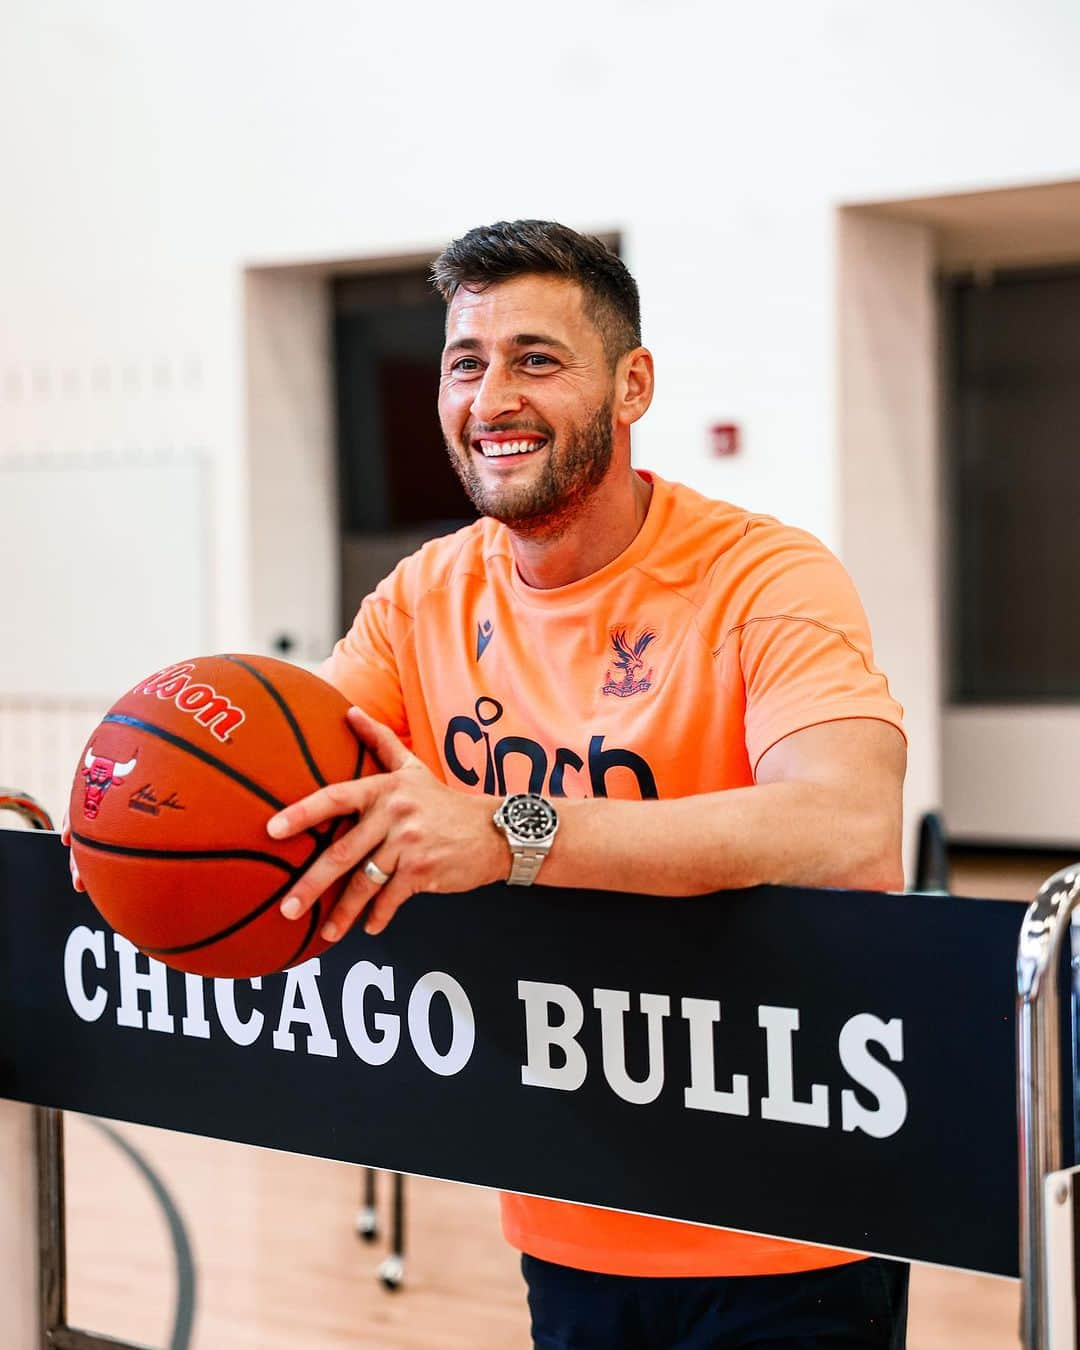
(194, 761)
(163, 904)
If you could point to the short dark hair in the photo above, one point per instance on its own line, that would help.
(513, 248)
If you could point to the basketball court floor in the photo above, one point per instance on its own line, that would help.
(278, 1266)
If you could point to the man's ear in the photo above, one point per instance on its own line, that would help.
(634, 383)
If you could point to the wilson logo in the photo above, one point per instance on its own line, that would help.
(209, 708)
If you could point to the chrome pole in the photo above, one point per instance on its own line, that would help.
(1038, 1032)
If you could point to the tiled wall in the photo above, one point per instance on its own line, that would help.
(40, 746)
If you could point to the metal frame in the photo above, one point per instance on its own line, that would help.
(391, 1270)
(1039, 1078)
(1062, 1209)
(52, 1245)
(932, 856)
(1039, 1099)
(49, 1160)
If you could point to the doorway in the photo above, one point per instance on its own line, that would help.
(958, 462)
(397, 487)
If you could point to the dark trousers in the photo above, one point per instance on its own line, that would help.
(859, 1306)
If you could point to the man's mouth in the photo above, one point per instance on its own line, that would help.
(497, 449)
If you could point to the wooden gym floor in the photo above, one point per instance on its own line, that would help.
(279, 1266)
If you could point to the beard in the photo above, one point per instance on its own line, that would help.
(557, 494)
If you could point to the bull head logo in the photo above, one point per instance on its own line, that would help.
(100, 775)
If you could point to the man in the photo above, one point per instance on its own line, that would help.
(687, 690)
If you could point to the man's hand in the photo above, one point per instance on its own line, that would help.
(422, 834)
(65, 839)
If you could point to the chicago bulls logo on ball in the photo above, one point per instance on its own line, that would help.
(101, 774)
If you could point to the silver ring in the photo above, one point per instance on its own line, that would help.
(374, 872)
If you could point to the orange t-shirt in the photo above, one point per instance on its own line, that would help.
(669, 672)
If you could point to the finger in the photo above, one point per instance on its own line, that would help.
(380, 740)
(388, 900)
(65, 831)
(73, 868)
(352, 902)
(336, 799)
(336, 859)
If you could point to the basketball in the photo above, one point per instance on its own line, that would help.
(170, 802)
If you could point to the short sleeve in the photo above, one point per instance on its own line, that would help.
(803, 641)
(363, 665)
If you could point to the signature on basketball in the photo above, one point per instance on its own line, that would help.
(145, 799)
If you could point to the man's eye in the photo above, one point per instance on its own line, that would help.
(465, 365)
(536, 360)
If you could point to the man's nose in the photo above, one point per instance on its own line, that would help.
(498, 393)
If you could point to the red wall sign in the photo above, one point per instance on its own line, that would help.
(724, 438)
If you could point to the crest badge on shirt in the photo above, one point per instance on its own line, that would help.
(627, 675)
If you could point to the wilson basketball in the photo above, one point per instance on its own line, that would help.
(170, 802)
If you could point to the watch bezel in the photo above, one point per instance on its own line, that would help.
(536, 804)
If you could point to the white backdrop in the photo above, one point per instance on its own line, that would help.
(105, 575)
(151, 153)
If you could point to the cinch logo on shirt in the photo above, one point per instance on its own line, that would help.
(466, 760)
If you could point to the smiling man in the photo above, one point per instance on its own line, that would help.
(611, 682)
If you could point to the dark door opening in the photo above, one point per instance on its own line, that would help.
(397, 486)
(1013, 465)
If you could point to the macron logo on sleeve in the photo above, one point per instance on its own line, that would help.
(484, 633)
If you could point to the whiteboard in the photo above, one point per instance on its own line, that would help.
(104, 570)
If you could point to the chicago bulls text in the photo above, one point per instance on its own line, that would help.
(436, 1019)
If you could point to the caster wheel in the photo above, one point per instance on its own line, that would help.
(392, 1272)
(367, 1225)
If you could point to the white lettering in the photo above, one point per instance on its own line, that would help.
(613, 1004)
(362, 977)
(540, 1036)
(779, 1102)
(872, 1075)
(238, 1031)
(302, 1003)
(83, 942)
(702, 1014)
(874, 1102)
(154, 980)
(194, 1023)
(463, 1024)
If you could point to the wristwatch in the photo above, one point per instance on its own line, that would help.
(529, 822)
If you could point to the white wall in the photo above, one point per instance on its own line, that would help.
(151, 152)
(1012, 773)
(292, 462)
(888, 471)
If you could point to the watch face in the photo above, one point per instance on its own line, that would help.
(529, 816)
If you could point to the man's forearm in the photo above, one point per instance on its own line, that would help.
(790, 833)
(825, 811)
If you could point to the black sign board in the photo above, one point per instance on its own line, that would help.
(831, 1066)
